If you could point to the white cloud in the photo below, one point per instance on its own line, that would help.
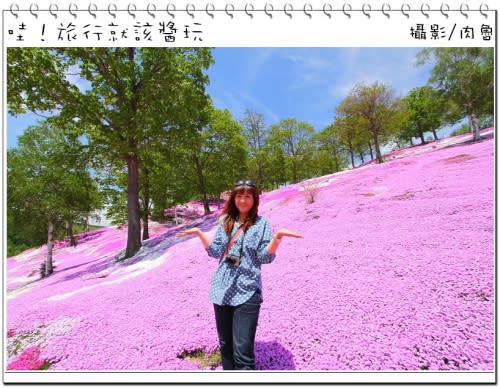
(393, 67)
(254, 66)
(237, 102)
(261, 107)
(309, 66)
(316, 80)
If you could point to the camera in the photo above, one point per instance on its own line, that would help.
(233, 260)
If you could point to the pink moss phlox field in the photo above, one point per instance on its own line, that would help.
(395, 272)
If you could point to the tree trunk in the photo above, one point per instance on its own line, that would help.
(72, 238)
(133, 209)
(201, 186)
(377, 149)
(476, 135)
(422, 138)
(86, 224)
(336, 159)
(294, 172)
(50, 245)
(260, 176)
(206, 205)
(351, 153)
(361, 157)
(371, 150)
(145, 208)
(435, 135)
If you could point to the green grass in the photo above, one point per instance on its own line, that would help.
(46, 365)
(203, 359)
(462, 130)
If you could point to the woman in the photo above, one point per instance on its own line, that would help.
(243, 242)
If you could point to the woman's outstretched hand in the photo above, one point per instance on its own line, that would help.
(195, 232)
(288, 233)
(189, 232)
(275, 241)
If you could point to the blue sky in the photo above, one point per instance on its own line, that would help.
(302, 83)
(306, 83)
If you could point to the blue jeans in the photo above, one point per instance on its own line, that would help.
(236, 327)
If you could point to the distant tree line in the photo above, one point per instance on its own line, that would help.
(132, 131)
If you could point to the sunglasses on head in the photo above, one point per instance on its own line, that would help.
(243, 182)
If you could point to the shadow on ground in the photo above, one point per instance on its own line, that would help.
(151, 249)
(273, 356)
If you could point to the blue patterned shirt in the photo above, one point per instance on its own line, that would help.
(235, 285)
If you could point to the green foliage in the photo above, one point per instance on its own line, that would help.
(32, 77)
(226, 151)
(289, 151)
(462, 130)
(135, 98)
(113, 185)
(424, 112)
(24, 230)
(291, 141)
(274, 165)
(330, 156)
(202, 163)
(46, 365)
(47, 179)
(255, 133)
(14, 249)
(369, 114)
(465, 77)
(346, 130)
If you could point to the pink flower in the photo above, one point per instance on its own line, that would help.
(27, 360)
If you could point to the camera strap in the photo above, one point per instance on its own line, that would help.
(231, 242)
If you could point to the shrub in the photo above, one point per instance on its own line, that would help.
(465, 128)
(310, 192)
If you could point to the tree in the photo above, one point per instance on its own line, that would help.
(376, 111)
(48, 179)
(212, 158)
(133, 95)
(424, 107)
(331, 154)
(255, 133)
(167, 183)
(112, 181)
(295, 138)
(274, 164)
(465, 75)
(348, 131)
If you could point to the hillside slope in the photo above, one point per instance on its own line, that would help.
(396, 272)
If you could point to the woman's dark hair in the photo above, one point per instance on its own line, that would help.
(231, 212)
